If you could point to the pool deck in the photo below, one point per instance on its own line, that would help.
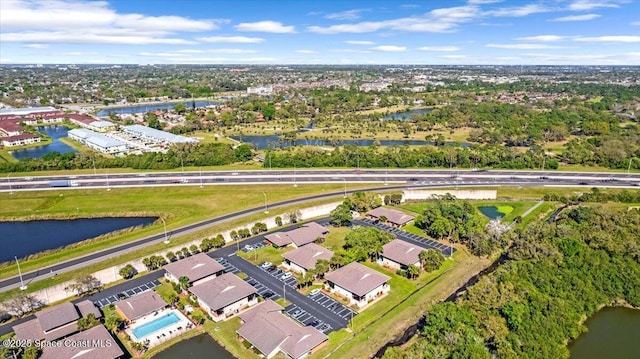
(164, 334)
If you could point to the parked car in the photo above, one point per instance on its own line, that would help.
(266, 265)
(286, 275)
(314, 292)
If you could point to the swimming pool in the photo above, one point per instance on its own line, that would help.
(155, 325)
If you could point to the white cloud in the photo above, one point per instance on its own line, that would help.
(635, 23)
(543, 38)
(437, 20)
(519, 11)
(81, 53)
(346, 15)
(231, 39)
(439, 48)
(389, 48)
(358, 42)
(266, 26)
(36, 46)
(524, 46)
(454, 56)
(89, 38)
(481, 2)
(584, 5)
(179, 53)
(306, 51)
(5, 60)
(584, 17)
(55, 21)
(629, 58)
(616, 38)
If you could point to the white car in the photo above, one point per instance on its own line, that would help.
(265, 265)
(287, 275)
(314, 292)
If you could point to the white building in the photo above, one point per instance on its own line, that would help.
(97, 141)
(156, 136)
(359, 284)
(260, 90)
(224, 296)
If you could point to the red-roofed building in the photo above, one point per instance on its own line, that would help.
(20, 140)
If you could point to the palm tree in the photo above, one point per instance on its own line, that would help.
(184, 282)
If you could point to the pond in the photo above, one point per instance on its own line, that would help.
(55, 132)
(201, 346)
(614, 332)
(275, 141)
(24, 238)
(152, 107)
(406, 115)
(491, 211)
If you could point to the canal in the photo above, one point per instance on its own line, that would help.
(24, 238)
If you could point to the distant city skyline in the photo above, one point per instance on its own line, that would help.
(506, 32)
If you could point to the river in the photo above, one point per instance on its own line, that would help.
(55, 132)
(153, 107)
(201, 346)
(614, 332)
(24, 238)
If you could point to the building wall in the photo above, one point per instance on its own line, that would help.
(460, 194)
(372, 295)
(229, 310)
(386, 262)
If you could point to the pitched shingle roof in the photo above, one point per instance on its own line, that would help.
(141, 304)
(305, 234)
(267, 329)
(99, 345)
(222, 291)
(401, 252)
(57, 316)
(357, 278)
(307, 256)
(195, 267)
(393, 216)
(87, 307)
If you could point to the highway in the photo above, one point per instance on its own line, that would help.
(392, 179)
(415, 177)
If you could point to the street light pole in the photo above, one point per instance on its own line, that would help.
(22, 286)
(266, 206)
(201, 177)
(345, 188)
(629, 168)
(106, 174)
(164, 225)
(295, 183)
(9, 181)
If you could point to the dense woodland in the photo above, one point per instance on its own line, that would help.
(555, 275)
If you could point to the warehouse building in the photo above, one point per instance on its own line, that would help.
(97, 141)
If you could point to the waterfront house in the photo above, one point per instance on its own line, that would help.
(358, 283)
(224, 296)
(198, 268)
(304, 258)
(269, 331)
(305, 234)
(140, 305)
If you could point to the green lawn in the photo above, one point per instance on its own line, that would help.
(335, 238)
(265, 254)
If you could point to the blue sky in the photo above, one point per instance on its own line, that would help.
(555, 32)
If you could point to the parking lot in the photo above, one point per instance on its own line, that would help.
(412, 238)
(126, 294)
(278, 273)
(262, 290)
(252, 247)
(301, 316)
(333, 305)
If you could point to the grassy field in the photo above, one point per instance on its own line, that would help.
(265, 254)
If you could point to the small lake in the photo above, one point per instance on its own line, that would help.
(22, 239)
(55, 132)
(491, 212)
(614, 332)
(406, 115)
(201, 346)
(152, 107)
(275, 141)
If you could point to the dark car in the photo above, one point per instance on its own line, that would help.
(267, 294)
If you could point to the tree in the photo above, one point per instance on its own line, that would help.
(128, 271)
(366, 242)
(193, 249)
(180, 108)
(85, 284)
(341, 215)
(184, 282)
(294, 216)
(430, 259)
(171, 256)
(21, 304)
(31, 352)
(412, 271)
(87, 322)
(113, 322)
(243, 152)
(278, 221)
(322, 266)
